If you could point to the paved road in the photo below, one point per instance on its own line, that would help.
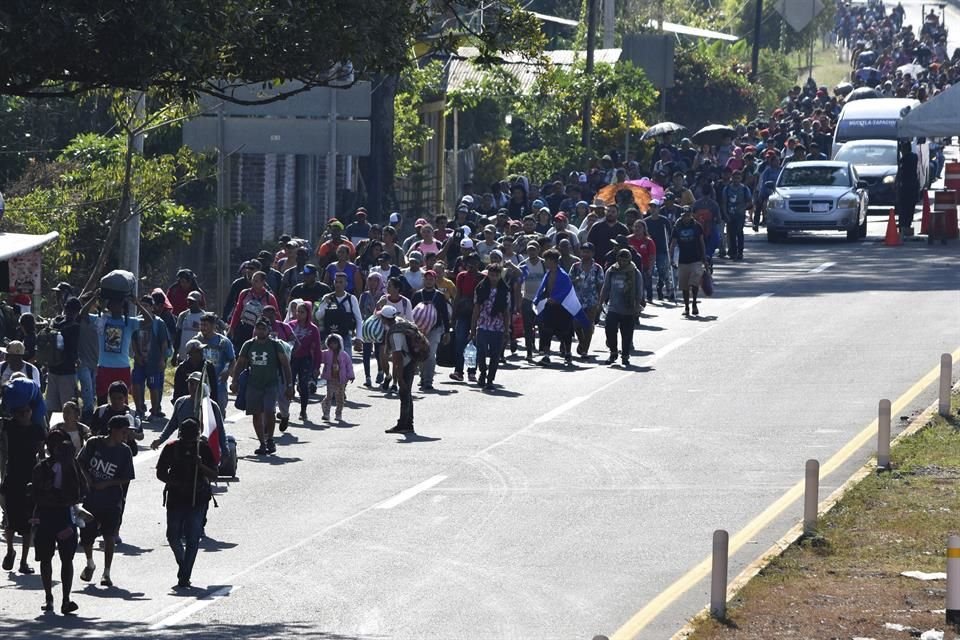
(566, 502)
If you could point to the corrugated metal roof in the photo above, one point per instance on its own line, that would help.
(463, 74)
(15, 244)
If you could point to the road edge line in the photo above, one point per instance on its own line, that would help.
(779, 547)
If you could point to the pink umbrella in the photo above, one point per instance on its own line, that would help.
(656, 191)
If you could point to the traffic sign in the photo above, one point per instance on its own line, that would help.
(798, 13)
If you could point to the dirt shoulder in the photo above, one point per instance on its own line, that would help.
(846, 583)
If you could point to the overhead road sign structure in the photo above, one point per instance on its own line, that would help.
(319, 102)
(301, 136)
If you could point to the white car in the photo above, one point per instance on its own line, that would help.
(819, 195)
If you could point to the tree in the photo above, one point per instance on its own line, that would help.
(65, 47)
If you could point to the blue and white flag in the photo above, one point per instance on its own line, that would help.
(562, 293)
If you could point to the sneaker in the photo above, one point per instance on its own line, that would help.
(696, 310)
(105, 581)
(261, 450)
(367, 382)
(385, 385)
(456, 376)
(87, 574)
(626, 361)
(612, 357)
(426, 387)
(284, 423)
(530, 359)
(394, 388)
(271, 447)
(380, 377)
(339, 417)
(483, 380)
(660, 294)
(686, 311)
(325, 417)
(568, 362)
(545, 361)
(488, 386)
(471, 376)
(303, 416)
(399, 429)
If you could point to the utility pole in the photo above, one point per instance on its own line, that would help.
(755, 54)
(585, 133)
(130, 246)
(609, 23)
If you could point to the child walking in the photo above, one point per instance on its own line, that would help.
(337, 372)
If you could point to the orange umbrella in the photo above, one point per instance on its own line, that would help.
(640, 196)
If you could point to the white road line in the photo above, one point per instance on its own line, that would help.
(407, 494)
(193, 608)
(670, 346)
(755, 301)
(822, 268)
(558, 411)
(647, 430)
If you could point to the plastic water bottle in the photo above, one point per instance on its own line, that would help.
(59, 341)
(470, 355)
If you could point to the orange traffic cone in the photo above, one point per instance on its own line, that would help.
(925, 220)
(892, 238)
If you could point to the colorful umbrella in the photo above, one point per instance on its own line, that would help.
(656, 191)
(641, 197)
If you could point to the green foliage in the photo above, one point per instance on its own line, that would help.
(551, 115)
(492, 163)
(710, 89)
(78, 193)
(64, 47)
(539, 164)
(418, 85)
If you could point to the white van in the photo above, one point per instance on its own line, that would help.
(876, 119)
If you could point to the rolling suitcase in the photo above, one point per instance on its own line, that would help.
(228, 464)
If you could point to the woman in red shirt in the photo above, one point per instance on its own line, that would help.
(643, 244)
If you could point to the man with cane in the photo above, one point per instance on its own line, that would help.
(186, 467)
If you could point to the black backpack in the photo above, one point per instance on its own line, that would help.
(183, 472)
(49, 346)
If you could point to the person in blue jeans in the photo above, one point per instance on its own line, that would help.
(186, 467)
(489, 323)
(660, 228)
(219, 352)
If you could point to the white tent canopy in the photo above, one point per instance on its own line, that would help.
(938, 117)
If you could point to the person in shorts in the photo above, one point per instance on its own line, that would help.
(692, 261)
(107, 464)
(265, 359)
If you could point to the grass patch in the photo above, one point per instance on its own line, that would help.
(851, 586)
(827, 70)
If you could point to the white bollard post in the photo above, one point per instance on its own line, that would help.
(946, 372)
(883, 436)
(718, 575)
(953, 580)
(811, 496)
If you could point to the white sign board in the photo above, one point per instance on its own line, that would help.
(798, 13)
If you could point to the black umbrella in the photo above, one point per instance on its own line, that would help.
(713, 134)
(862, 93)
(843, 88)
(661, 129)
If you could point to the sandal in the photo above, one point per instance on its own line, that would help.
(8, 560)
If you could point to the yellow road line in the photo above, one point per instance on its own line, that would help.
(668, 596)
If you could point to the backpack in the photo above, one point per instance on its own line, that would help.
(417, 343)
(251, 310)
(49, 346)
(183, 472)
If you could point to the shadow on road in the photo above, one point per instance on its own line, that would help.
(77, 626)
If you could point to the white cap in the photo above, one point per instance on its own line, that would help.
(467, 199)
(394, 218)
(388, 311)
(466, 230)
(466, 243)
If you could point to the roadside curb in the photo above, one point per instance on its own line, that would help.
(796, 532)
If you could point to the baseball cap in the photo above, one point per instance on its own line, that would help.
(195, 296)
(466, 243)
(383, 256)
(268, 307)
(561, 217)
(335, 224)
(309, 268)
(420, 222)
(467, 199)
(63, 287)
(416, 256)
(388, 311)
(196, 376)
(16, 348)
(538, 203)
(496, 253)
(490, 228)
(195, 345)
(394, 218)
(360, 213)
